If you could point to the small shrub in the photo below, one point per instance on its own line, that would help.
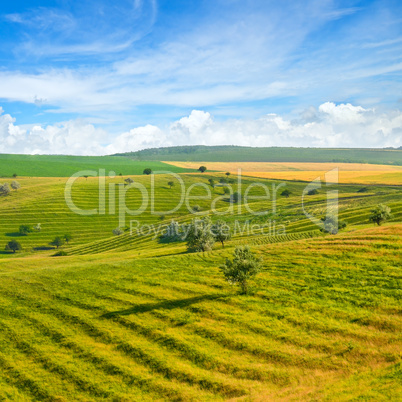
(60, 253)
(118, 231)
(313, 192)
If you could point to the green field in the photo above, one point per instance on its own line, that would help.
(274, 154)
(134, 318)
(65, 166)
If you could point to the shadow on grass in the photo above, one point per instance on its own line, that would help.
(167, 305)
(15, 234)
(44, 248)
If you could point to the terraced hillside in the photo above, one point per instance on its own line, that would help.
(322, 323)
(42, 200)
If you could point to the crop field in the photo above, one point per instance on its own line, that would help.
(351, 173)
(65, 166)
(136, 318)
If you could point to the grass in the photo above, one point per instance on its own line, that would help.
(199, 153)
(132, 318)
(170, 328)
(66, 166)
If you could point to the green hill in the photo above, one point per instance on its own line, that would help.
(273, 154)
(127, 318)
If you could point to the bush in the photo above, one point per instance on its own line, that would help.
(313, 192)
(118, 231)
(24, 230)
(58, 241)
(13, 246)
(221, 231)
(380, 214)
(285, 193)
(244, 266)
(331, 224)
(196, 208)
(202, 169)
(60, 253)
(129, 180)
(15, 185)
(147, 171)
(199, 235)
(5, 189)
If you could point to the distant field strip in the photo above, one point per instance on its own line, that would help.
(170, 328)
(348, 172)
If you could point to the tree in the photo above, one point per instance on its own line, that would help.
(332, 224)
(37, 227)
(313, 192)
(199, 235)
(58, 241)
(129, 180)
(211, 182)
(202, 169)
(227, 174)
(67, 237)
(147, 171)
(196, 208)
(15, 175)
(118, 231)
(285, 193)
(15, 185)
(5, 189)
(170, 184)
(24, 230)
(13, 246)
(244, 266)
(380, 214)
(226, 190)
(86, 177)
(221, 231)
(235, 197)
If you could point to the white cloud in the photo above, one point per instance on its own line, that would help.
(329, 125)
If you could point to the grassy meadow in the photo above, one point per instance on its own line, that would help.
(134, 318)
(225, 153)
(65, 166)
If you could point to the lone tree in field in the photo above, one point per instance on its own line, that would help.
(211, 182)
(15, 175)
(227, 174)
(5, 189)
(170, 184)
(58, 241)
(147, 171)
(244, 266)
(221, 231)
(13, 246)
(202, 169)
(314, 191)
(24, 230)
(67, 237)
(380, 214)
(332, 224)
(15, 185)
(129, 180)
(199, 235)
(285, 193)
(86, 177)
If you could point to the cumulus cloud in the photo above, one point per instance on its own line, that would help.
(329, 125)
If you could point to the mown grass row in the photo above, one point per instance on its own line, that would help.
(170, 328)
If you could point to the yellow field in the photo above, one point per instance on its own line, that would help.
(348, 172)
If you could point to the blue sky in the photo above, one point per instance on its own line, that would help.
(139, 73)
